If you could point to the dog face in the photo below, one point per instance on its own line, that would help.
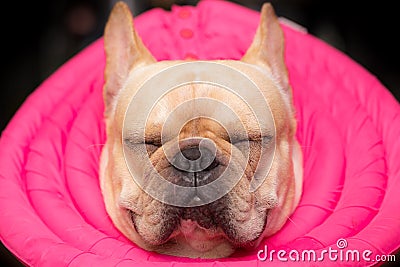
(241, 217)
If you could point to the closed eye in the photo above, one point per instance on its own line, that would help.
(264, 139)
(129, 143)
(151, 147)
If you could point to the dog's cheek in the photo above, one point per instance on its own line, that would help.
(285, 167)
(252, 151)
(267, 195)
(283, 183)
(241, 204)
(157, 222)
(254, 156)
(240, 220)
(108, 183)
(125, 189)
(286, 179)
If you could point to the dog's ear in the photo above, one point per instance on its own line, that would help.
(124, 51)
(267, 48)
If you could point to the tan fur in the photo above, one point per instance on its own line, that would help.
(129, 64)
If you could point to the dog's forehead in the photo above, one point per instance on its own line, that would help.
(204, 99)
(235, 69)
(261, 77)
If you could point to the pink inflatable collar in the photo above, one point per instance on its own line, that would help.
(51, 208)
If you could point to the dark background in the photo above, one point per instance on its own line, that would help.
(38, 36)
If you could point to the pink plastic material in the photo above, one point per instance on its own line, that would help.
(51, 208)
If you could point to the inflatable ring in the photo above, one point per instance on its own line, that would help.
(51, 208)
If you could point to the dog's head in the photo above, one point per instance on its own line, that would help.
(195, 152)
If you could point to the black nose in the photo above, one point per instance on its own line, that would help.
(196, 164)
(194, 159)
(191, 154)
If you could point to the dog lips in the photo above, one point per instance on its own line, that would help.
(194, 231)
(188, 226)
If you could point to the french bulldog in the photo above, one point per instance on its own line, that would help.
(239, 219)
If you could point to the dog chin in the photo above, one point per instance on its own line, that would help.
(196, 237)
(191, 239)
(182, 246)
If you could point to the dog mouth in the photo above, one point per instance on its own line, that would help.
(202, 224)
